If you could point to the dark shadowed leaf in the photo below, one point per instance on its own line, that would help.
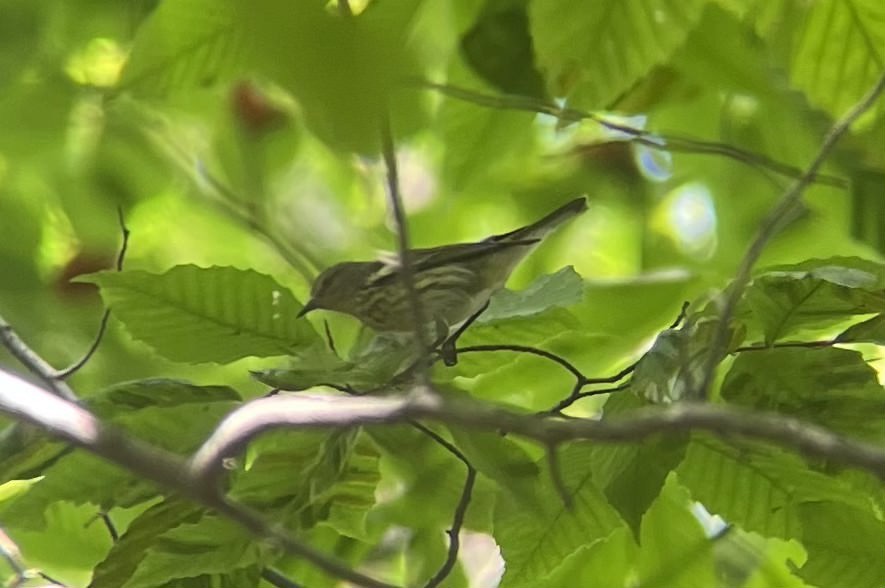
(844, 546)
(829, 386)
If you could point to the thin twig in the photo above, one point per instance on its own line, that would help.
(406, 273)
(50, 579)
(292, 255)
(36, 364)
(570, 367)
(108, 524)
(442, 441)
(771, 224)
(103, 323)
(69, 371)
(683, 311)
(788, 345)
(657, 141)
(272, 576)
(454, 532)
(611, 379)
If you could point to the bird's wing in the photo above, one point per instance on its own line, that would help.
(425, 259)
(541, 228)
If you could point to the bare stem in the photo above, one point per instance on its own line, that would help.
(406, 273)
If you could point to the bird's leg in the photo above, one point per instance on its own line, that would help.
(447, 349)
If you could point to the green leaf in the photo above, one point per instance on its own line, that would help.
(337, 474)
(675, 551)
(815, 294)
(374, 366)
(758, 487)
(869, 331)
(431, 481)
(122, 400)
(344, 72)
(844, 546)
(498, 47)
(216, 314)
(180, 421)
(675, 365)
(632, 475)
(607, 562)
(467, 130)
(832, 387)
(131, 548)
(564, 288)
(535, 542)
(834, 50)
(210, 547)
(503, 461)
(640, 482)
(182, 45)
(749, 560)
(593, 52)
(73, 542)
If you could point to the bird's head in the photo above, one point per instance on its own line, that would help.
(336, 288)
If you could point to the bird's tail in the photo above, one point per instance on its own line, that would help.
(543, 227)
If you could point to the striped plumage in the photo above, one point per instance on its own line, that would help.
(453, 281)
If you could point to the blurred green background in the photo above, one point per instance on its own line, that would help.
(146, 107)
(229, 134)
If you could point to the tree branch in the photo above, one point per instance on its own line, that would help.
(312, 411)
(36, 364)
(657, 141)
(67, 421)
(769, 228)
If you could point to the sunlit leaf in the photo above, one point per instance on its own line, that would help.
(216, 314)
(183, 45)
(591, 53)
(535, 542)
(343, 71)
(834, 50)
(563, 288)
(675, 550)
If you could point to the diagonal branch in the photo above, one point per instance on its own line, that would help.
(657, 141)
(65, 420)
(770, 227)
(36, 364)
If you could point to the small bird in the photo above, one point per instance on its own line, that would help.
(453, 282)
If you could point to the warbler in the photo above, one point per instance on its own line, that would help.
(453, 282)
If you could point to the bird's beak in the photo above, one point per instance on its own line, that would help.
(308, 306)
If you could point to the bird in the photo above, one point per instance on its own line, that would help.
(453, 282)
